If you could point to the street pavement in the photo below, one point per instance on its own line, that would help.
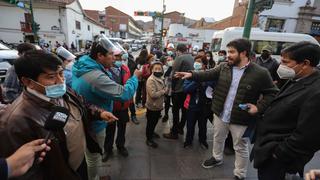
(170, 161)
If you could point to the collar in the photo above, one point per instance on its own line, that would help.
(39, 95)
(243, 67)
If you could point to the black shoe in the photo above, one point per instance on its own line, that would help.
(165, 118)
(135, 120)
(107, 155)
(170, 136)
(151, 143)
(210, 163)
(237, 178)
(187, 145)
(123, 151)
(228, 151)
(204, 145)
(180, 131)
(156, 136)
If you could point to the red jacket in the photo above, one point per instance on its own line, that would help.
(122, 105)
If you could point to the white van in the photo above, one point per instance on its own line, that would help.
(258, 40)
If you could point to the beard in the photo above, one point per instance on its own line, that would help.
(234, 62)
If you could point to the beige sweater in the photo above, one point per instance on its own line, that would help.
(155, 93)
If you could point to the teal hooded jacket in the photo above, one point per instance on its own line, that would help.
(95, 84)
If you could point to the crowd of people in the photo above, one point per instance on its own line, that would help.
(269, 104)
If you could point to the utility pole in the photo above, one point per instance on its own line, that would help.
(249, 19)
(33, 24)
(162, 20)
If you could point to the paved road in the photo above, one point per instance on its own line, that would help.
(170, 161)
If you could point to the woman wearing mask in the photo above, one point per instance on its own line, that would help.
(155, 97)
(211, 62)
(197, 102)
(68, 59)
(167, 82)
(146, 72)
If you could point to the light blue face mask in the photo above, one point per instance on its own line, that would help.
(197, 66)
(54, 91)
(118, 63)
(125, 56)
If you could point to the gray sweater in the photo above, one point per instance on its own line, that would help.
(182, 63)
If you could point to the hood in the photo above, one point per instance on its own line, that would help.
(86, 64)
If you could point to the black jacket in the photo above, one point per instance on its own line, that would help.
(255, 81)
(290, 126)
(3, 169)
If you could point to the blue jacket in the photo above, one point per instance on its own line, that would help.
(91, 80)
(197, 91)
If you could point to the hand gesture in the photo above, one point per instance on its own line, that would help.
(252, 109)
(20, 162)
(183, 75)
(137, 73)
(108, 116)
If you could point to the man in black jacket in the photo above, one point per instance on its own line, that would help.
(287, 134)
(240, 84)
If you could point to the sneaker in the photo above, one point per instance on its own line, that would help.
(123, 151)
(204, 145)
(151, 143)
(170, 136)
(156, 136)
(135, 120)
(210, 163)
(165, 118)
(106, 156)
(237, 178)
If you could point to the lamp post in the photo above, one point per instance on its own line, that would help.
(249, 19)
(33, 24)
(162, 20)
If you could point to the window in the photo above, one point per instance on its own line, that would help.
(276, 45)
(88, 27)
(78, 25)
(275, 25)
(315, 28)
(216, 45)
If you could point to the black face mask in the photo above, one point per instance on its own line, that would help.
(265, 56)
(158, 74)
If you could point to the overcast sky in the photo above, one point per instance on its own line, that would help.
(195, 9)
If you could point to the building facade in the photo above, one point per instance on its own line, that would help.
(62, 21)
(121, 24)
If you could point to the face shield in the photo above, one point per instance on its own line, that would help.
(105, 42)
(67, 55)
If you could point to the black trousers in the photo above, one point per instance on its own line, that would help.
(139, 93)
(273, 169)
(178, 101)
(192, 118)
(132, 109)
(152, 121)
(123, 117)
(167, 101)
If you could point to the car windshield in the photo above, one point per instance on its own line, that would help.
(3, 47)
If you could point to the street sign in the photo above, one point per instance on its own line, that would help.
(261, 5)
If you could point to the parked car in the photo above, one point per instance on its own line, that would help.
(7, 57)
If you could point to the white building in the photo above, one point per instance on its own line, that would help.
(62, 21)
(178, 33)
(299, 16)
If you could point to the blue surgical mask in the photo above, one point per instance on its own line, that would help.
(125, 56)
(54, 91)
(197, 66)
(118, 63)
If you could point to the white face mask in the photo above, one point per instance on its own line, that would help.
(170, 63)
(286, 72)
